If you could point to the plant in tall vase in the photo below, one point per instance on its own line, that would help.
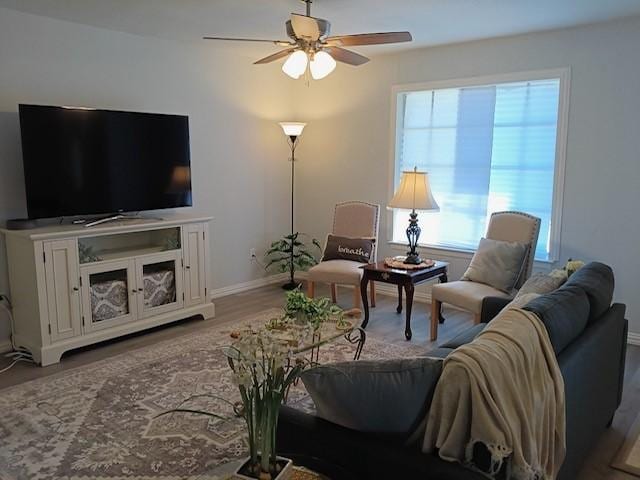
(265, 362)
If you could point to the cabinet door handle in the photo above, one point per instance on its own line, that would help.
(133, 291)
(141, 290)
(75, 289)
(187, 267)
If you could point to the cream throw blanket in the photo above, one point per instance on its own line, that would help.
(505, 391)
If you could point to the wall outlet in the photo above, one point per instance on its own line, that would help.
(252, 253)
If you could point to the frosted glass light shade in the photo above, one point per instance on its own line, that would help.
(292, 129)
(296, 64)
(321, 65)
(414, 193)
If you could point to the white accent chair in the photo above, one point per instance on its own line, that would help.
(355, 220)
(504, 226)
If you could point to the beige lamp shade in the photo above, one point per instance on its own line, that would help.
(414, 193)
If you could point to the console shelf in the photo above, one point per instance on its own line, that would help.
(74, 286)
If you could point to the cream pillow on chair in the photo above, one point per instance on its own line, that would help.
(497, 264)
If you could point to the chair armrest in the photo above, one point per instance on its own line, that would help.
(491, 306)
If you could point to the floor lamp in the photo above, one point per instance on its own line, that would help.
(292, 130)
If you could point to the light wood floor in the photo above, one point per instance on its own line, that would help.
(384, 324)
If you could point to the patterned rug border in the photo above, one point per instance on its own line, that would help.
(127, 357)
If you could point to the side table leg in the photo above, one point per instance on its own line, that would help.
(408, 287)
(357, 336)
(399, 309)
(365, 300)
(443, 279)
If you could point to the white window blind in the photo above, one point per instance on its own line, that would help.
(487, 148)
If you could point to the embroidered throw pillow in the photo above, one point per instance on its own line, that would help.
(346, 248)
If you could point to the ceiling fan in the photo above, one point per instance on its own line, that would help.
(310, 44)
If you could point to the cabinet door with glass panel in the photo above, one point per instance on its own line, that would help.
(159, 283)
(109, 294)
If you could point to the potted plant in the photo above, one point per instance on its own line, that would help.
(312, 310)
(290, 254)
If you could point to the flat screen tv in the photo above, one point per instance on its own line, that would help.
(80, 161)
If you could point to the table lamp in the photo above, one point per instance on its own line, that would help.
(413, 194)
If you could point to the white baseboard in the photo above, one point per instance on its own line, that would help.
(5, 346)
(250, 285)
(633, 338)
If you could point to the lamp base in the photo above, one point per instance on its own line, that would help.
(413, 259)
(291, 285)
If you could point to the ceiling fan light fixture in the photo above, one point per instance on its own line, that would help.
(296, 64)
(321, 65)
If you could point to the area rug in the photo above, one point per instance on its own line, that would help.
(97, 422)
(628, 457)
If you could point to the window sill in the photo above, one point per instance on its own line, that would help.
(458, 252)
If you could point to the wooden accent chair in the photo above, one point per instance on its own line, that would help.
(356, 220)
(504, 226)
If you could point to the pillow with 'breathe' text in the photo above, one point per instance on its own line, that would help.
(346, 248)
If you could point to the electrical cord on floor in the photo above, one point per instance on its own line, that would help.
(18, 354)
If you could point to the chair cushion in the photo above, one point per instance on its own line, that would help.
(381, 396)
(465, 337)
(564, 313)
(467, 295)
(596, 279)
(348, 248)
(336, 271)
(497, 263)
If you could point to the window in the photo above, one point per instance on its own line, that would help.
(488, 146)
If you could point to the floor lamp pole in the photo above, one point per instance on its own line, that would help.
(292, 283)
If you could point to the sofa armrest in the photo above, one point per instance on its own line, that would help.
(491, 306)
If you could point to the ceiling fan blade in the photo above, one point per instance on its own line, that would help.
(310, 28)
(275, 56)
(281, 43)
(346, 56)
(368, 39)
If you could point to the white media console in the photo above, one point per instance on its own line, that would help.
(73, 286)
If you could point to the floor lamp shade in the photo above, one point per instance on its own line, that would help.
(292, 129)
(414, 193)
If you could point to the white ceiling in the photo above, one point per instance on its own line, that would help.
(431, 22)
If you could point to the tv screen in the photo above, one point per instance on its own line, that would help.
(81, 161)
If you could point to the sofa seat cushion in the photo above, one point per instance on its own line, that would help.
(381, 396)
(467, 295)
(596, 279)
(465, 337)
(564, 313)
(336, 271)
(439, 352)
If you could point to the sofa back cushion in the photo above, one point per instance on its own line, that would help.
(596, 279)
(381, 396)
(564, 312)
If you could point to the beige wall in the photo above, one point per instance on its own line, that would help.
(240, 173)
(345, 150)
(239, 155)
